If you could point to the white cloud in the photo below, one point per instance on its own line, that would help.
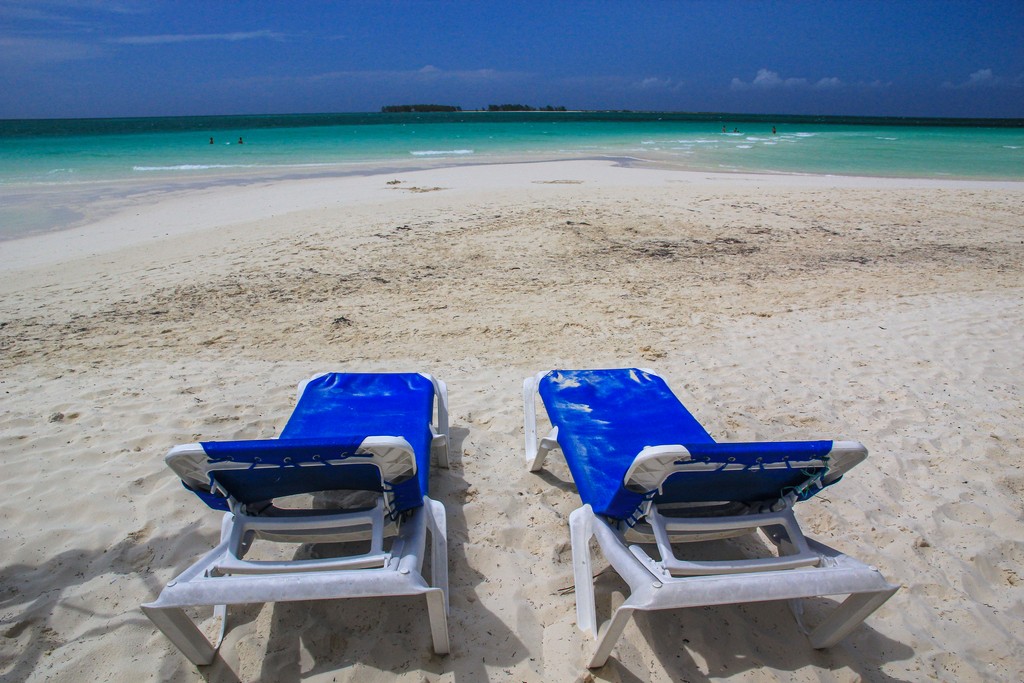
(654, 83)
(426, 74)
(985, 78)
(197, 37)
(34, 51)
(770, 79)
(767, 79)
(64, 13)
(433, 73)
(829, 83)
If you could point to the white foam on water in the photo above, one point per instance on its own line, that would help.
(439, 152)
(57, 171)
(190, 167)
(681, 141)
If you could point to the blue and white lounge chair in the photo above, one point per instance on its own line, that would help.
(646, 471)
(368, 433)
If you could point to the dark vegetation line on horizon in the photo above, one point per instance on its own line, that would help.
(427, 108)
(14, 128)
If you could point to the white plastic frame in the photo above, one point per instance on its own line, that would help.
(804, 567)
(223, 577)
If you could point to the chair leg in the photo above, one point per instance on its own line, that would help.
(610, 633)
(183, 632)
(581, 530)
(536, 452)
(437, 612)
(580, 533)
(441, 394)
(437, 600)
(534, 459)
(848, 616)
(221, 612)
(438, 526)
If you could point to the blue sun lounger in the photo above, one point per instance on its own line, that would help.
(649, 473)
(370, 436)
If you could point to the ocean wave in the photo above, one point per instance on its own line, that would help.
(439, 152)
(190, 167)
(681, 141)
(1011, 147)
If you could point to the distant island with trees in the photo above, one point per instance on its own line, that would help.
(406, 108)
(409, 108)
(521, 107)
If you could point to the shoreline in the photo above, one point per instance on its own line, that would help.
(96, 200)
(174, 205)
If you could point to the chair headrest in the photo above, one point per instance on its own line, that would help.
(740, 472)
(258, 470)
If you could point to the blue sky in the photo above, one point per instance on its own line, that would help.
(99, 58)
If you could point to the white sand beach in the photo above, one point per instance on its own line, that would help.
(777, 307)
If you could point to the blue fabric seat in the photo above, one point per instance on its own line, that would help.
(605, 418)
(335, 413)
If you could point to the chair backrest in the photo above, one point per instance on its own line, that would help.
(628, 440)
(731, 472)
(249, 472)
(606, 417)
(343, 404)
(348, 431)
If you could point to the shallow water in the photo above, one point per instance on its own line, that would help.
(51, 169)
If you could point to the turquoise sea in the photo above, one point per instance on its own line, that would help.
(51, 169)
